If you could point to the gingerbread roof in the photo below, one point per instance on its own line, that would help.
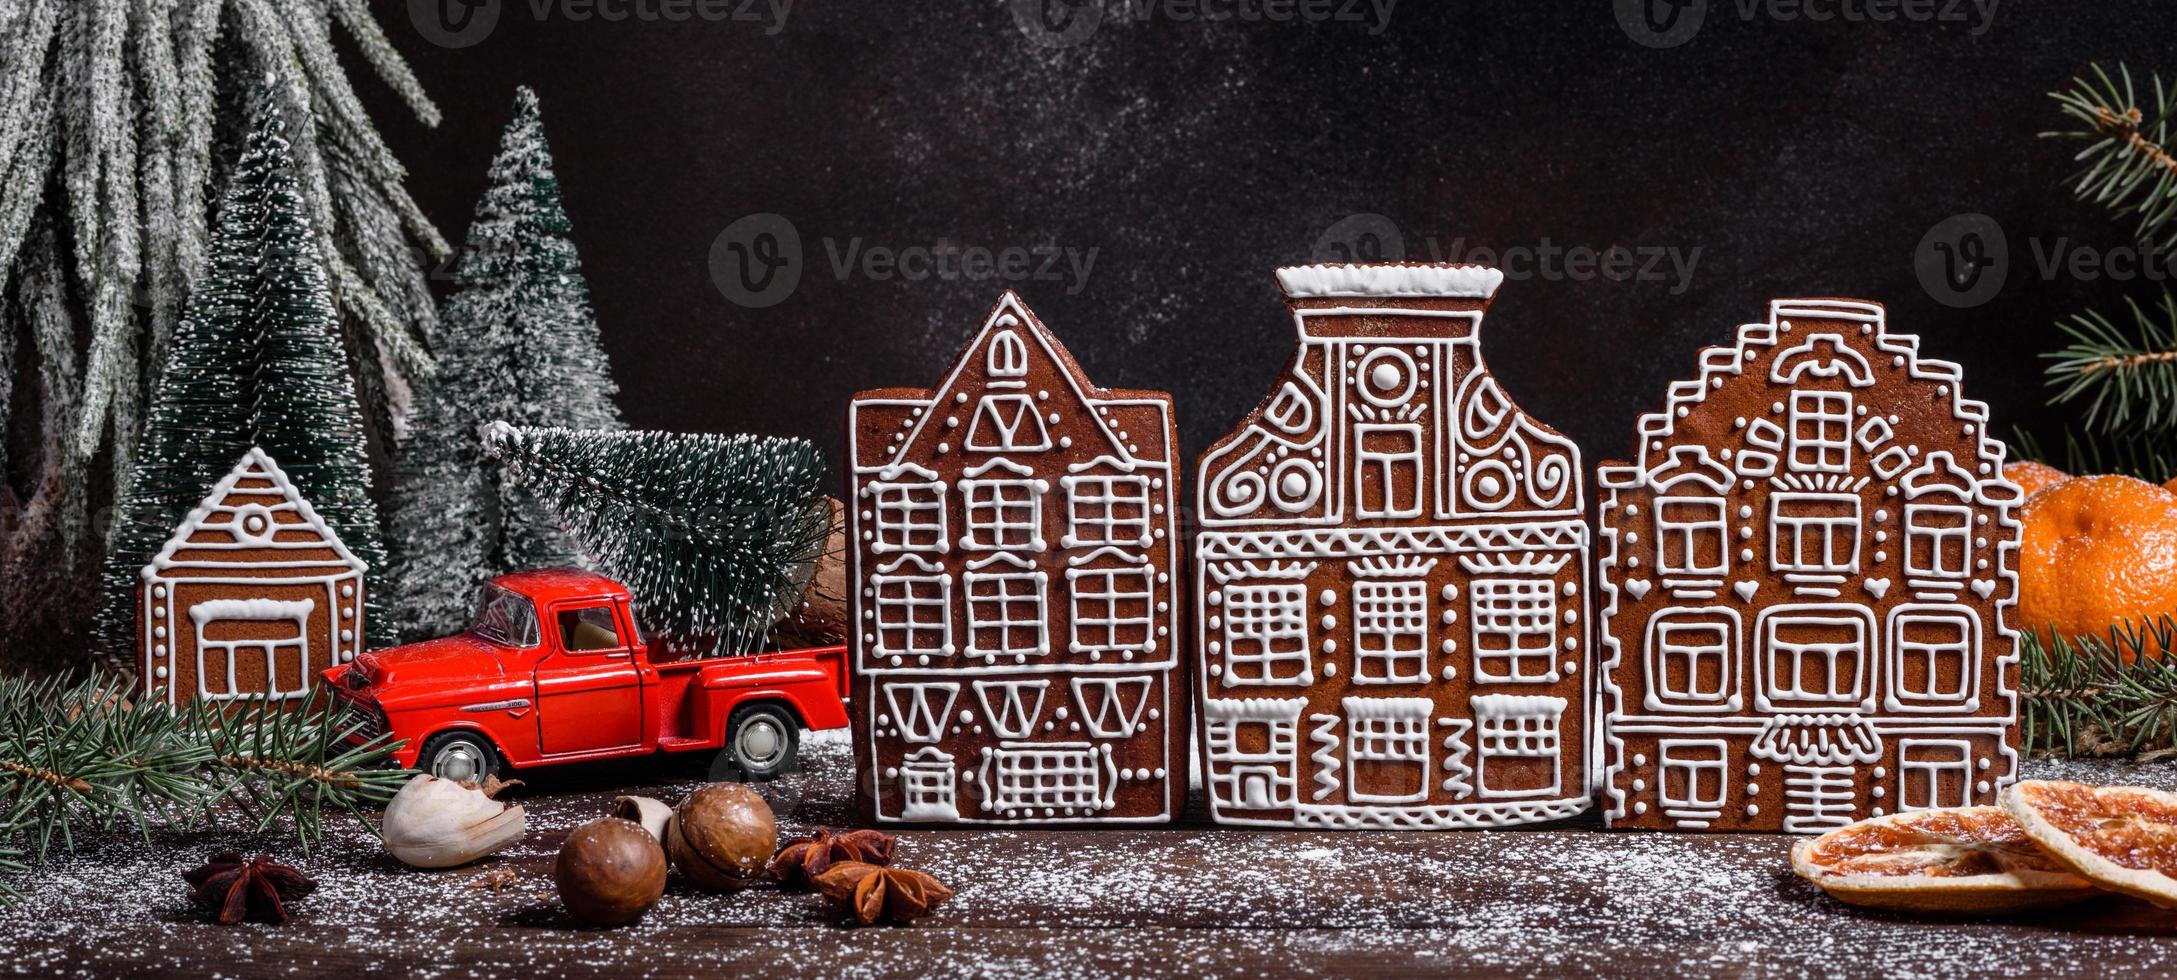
(1823, 355)
(254, 510)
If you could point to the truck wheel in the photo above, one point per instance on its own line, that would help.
(459, 756)
(761, 741)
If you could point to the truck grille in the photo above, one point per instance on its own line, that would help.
(366, 723)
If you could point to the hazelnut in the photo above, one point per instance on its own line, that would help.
(609, 872)
(722, 837)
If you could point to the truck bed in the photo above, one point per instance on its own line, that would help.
(690, 689)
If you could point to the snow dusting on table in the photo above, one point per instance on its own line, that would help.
(1068, 903)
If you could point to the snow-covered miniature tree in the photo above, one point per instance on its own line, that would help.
(118, 119)
(716, 535)
(518, 343)
(256, 361)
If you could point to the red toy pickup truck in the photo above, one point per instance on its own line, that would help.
(554, 671)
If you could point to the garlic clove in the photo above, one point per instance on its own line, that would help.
(652, 814)
(441, 823)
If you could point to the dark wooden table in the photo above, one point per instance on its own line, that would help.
(1570, 900)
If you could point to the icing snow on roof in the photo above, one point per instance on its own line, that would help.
(1389, 281)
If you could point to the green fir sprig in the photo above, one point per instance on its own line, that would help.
(2149, 456)
(2129, 164)
(2114, 694)
(2126, 377)
(90, 755)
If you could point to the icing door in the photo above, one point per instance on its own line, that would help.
(589, 691)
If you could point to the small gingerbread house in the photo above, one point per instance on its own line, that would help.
(252, 596)
(1013, 534)
(1392, 575)
(1809, 577)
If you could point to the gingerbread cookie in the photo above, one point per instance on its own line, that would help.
(1017, 639)
(251, 598)
(1392, 575)
(1808, 578)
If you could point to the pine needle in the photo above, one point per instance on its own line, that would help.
(2127, 165)
(2114, 694)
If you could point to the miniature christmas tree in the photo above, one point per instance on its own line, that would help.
(516, 342)
(717, 536)
(256, 361)
(117, 118)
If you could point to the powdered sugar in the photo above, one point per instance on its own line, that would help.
(1191, 899)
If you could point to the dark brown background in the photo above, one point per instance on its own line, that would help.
(1801, 157)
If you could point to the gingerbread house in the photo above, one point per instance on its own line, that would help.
(1017, 643)
(251, 597)
(1392, 575)
(1808, 575)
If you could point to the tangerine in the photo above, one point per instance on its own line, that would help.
(2098, 552)
(2031, 476)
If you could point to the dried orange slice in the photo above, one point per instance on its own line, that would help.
(1965, 859)
(2123, 838)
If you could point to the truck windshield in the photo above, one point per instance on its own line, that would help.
(506, 618)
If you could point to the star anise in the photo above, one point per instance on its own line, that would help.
(800, 861)
(881, 894)
(257, 889)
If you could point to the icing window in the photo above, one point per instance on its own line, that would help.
(1520, 741)
(1821, 431)
(1387, 469)
(1047, 776)
(914, 615)
(1816, 533)
(1008, 357)
(1934, 773)
(1003, 515)
(1694, 775)
(1107, 510)
(1690, 661)
(1266, 634)
(1112, 610)
(1690, 536)
(1515, 629)
(1387, 751)
(909, 516)
(1934, 657)
(1251, 746)
(926, 787)
(1938, 540)
(1005, 614)
(1815, 659)
(1390, 631)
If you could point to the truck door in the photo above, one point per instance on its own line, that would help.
(589, 689)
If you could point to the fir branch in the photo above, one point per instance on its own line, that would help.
(2127, 165)
(2149, 456)
(2100, 695)
(78, 755)
(2127, 378)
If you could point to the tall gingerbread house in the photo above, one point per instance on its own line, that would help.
(1018, 642)
(1392, 575)
(252, 596)
(1809, 574)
